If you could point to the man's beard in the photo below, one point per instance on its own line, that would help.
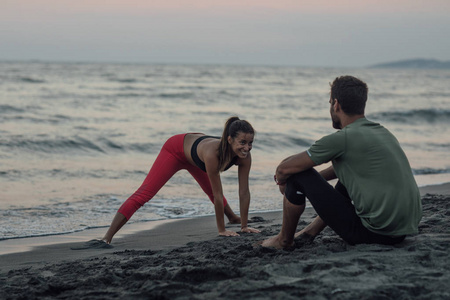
(336, 122)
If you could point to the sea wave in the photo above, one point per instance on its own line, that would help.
(10, 109)
(176, 95)
(414, 115)
(430, 171)
(76, 144)
(94, 212)
(58, 218)
(123, 80)
(55, 119)
(30, 80)
(130, 95)
(54, 173)
(61, 144)
(270, 143)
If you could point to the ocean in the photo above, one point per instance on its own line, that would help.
(77, 139)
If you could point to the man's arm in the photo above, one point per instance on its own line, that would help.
(328, 173)
(292, 165)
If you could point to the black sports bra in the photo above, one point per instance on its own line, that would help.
(197, 159)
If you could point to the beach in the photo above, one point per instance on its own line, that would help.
(91, 96)
(185, 259)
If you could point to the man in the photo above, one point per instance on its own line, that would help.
(376, 199)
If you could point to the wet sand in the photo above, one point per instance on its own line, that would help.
(185, 259)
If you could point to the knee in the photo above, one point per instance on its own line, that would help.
(293, 194)
(299, 185)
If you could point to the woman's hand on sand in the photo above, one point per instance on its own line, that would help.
(228, 233)
(249, 230)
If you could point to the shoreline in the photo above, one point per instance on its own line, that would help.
(185, 259)
(26, 244)
(155, 235)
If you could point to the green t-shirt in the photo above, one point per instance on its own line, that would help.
(370, 163)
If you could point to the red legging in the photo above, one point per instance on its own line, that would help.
(170, 160)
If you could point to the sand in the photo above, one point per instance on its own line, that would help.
(185, 259)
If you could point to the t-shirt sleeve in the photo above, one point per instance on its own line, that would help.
(327, 148)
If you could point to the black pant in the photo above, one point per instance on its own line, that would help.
(334, 207)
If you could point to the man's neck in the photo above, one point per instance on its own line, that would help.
(349, 119)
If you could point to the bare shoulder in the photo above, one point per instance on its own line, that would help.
(209, 149)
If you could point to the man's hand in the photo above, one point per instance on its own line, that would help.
(281, 185)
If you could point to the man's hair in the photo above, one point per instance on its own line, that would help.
(351, 94)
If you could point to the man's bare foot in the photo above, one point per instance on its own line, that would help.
(313, 229)
(306, 233)
(299, 233)
(277, 242)
(304, 238)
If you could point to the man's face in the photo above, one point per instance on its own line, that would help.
(334, 117)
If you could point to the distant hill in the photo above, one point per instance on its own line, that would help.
(415, 64)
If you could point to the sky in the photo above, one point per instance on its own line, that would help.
(317, 33)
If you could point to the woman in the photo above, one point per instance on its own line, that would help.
(204, 157)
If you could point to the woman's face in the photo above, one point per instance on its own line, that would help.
(241, 144)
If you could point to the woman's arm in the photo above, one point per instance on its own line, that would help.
(244, 192)
(212, 169)
(117, 223)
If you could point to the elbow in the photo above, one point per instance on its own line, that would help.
(281, 172)
(244, 194)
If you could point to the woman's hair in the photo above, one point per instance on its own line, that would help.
(233, 126)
